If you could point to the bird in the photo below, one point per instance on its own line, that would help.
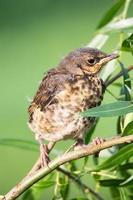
(65, 91)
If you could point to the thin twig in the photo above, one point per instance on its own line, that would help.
(64, 158)
(83, 186)
(117, 76)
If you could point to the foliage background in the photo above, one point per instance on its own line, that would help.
(34, 36)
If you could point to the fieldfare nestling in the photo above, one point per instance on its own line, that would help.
(70, 88)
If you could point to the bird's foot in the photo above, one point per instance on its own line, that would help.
(98, 141)
(44, 155)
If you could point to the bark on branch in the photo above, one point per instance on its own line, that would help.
(87, 150)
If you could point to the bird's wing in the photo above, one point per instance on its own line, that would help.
(51, 85)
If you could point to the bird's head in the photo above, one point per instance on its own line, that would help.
(86, 61)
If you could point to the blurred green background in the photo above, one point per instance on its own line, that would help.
(34, 36)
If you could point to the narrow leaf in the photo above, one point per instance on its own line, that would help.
(127, 44)
(90, 133)
(98, 41)
(126, 166)
(128, 129)
(111, 182)
(122, 25)
(79, 198)
(44, 184)
(110, 13)
(129, 79)
(118, 108)
(108, 70)
(123, 195)
(28, 195)
(115, 193)
(127, 84)
(19, 143)
(126, 75)
(129, 181)
(122, 155)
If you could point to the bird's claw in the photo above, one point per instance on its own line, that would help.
(44, 155)
(98, 141)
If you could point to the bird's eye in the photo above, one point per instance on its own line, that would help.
(91, 61)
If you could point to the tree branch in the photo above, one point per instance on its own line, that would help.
(83, 186)
(87, 150)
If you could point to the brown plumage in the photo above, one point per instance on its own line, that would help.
(73, 86)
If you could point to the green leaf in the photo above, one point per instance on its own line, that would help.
(73, 166)
(111, 182)
(127, 44)
(118, 108)
(121, 25)
(44, 184)
(118, 125)
(129, 181)
(98, 41)
(19, 143)
(129, 79)
(117, 85)
(108, 70)
(90, 133)
(62, 187)
(28, 195)
(122, 155)
(126, 166)
(123, 195)
(128, 129)
(127, 84)
(115, 193)
(111, 13)
(79, 198)
(126, 76)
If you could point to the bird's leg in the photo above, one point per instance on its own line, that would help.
(80, 142)
(98, 141)
(44, 156)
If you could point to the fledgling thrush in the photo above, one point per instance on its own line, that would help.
(70, 88)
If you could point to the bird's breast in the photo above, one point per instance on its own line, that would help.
(62, 119)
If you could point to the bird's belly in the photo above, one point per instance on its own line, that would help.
(62, 120)
(61, 123)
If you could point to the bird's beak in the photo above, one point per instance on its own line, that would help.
(108, 58)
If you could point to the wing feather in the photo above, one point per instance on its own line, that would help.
(50, 85)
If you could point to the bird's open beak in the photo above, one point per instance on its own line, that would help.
(108, 58)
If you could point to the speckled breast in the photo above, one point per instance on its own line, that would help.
(62, 119)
